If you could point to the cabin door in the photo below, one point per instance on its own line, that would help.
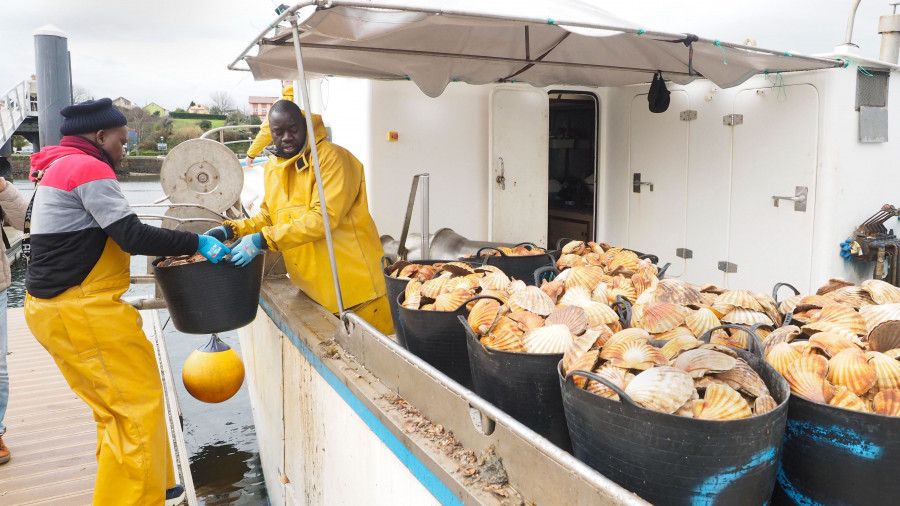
(657, 204)
(518, 162)
(774, 152)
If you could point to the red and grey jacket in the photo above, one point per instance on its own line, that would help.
(77, 206)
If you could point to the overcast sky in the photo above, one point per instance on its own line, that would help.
(175, 51)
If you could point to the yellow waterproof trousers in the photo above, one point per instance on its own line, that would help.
(378, 313)
(98, 343)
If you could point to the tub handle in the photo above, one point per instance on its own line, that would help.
(622, 307)
(540, 271)
(662, 272)
(625, 398)
(753, 343)
(778, 287)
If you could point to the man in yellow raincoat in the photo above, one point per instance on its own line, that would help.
(290, 220)
(264, 137)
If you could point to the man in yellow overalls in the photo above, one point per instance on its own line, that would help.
(82, 235)
(290, 220)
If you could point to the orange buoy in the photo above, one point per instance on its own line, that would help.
(213, 372)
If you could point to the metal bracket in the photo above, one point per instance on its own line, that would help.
(727, 267)
(799, 198)
(684, 253)
(733, 119)
(637, 183)
(688, 115)
(501, 179)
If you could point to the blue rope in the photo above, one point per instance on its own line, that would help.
(724, 56)
(550, 21)
(848, 62)
(777, 82)
(642, 31)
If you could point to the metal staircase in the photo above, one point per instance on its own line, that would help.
(15, 106)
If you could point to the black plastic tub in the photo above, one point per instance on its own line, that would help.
(668, 459)
(524, 385)
(203, 297)
(519, 267)
(838, 456)
(437, 338)
(395, 287)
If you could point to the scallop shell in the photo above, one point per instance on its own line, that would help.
(784, 334)
(505, 340)
(740, 298)
(742, 377)
(676, 292)
(887, 371)
(483, 315)
(681, 331)
(806, 375)
(616, 375)
(843, 315)
(854, 296)
(789, 304)
(850, 369)
(701, 321)
(571, 316)
(549, 339)
(526, 319)
(678, 344)
(574, 248)
(818, 301)
(505, 324)
(434, 287)
(451, 301)
(516, 286)
(600, 293)
(624, 258)
(458, 268)
(632, 334)
(662, 316)
(633, 355)
(887, 402)
(736, 339)
(414, 287)
(743, 316)
(832, 285)
(413, 301)
(598, 312)
(663, 389)
(844, 398)
(532, 299)
(504, 296)
(829, 344)
(600, 334)
(698, 362)
(553, 289)
(587, 276)
(721, 403)
(885, 336)
(769, 307)
(764, 404)
(781, 356)
(569, 260)
(799, 346)
(494, 281)
(640, 284)
(574, 354)
(576, 296)
(881, 291)
(469, 282)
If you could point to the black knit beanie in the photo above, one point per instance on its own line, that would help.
(91, 116)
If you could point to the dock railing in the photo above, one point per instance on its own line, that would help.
(15, 105)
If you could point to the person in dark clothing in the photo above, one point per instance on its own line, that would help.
(82, 235)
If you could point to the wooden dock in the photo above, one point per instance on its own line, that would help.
(51, 432)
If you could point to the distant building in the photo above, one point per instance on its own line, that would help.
(260, 105)
(198, 109)
(124, 103)
(154, 108)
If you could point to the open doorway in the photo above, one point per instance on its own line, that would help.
(572, 166)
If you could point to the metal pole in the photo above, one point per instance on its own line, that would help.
(849, 35)
(51, 57)
(426, 249)
(323, 207)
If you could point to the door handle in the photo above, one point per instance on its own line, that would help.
(637, 183)
(501, 179)
(799, 198)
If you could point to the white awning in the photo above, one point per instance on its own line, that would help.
(563, 42)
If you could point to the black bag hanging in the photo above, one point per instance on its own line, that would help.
(659, 94)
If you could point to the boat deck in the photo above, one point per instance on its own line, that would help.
(49, 430)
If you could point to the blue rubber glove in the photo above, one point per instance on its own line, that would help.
(247, 247)
(211, 248)
(845, 249)
(222, 233)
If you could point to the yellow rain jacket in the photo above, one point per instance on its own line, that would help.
(290, 220)
(264, 137)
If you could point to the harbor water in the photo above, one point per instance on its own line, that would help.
(220, 438)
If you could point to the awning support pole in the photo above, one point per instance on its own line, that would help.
(323, 207)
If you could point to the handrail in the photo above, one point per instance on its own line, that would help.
(226, 127)
(12, 110)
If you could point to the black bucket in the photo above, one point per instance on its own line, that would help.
(519, 267)
(204, 298)
(395, 287)
(524, 385)
(437, 338)
(838, 456)
(668, 459)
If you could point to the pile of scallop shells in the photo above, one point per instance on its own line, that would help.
(446, 286)
(848, 347)
(613, 260)
(694, 380)
(517, 251)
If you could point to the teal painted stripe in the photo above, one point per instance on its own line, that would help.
(427, 478)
